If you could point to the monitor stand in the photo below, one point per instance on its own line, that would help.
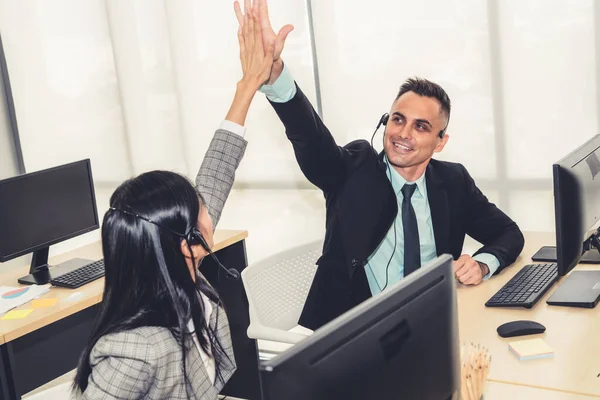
(40, 273)
(581, 288)
(548, 254)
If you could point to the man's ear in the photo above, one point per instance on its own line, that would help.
(442, 143)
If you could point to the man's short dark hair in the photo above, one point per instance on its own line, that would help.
(426, 88)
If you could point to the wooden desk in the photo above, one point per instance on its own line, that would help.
(573, 333)
(504, 391)
(47, 343)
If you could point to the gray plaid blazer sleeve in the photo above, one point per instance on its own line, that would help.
(217, 172)
(123, 367)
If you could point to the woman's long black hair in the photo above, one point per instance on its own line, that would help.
(147, 280)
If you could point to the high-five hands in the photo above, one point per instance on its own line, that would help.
(260, 10)
(256, 54)
(256, 57)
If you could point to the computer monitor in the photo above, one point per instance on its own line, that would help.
(43, 208)
(400, 344)
(577, 213)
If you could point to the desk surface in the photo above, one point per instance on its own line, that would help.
(504, 391)
(573, 333)
(90, 294)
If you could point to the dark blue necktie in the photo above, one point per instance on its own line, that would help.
(412, 248)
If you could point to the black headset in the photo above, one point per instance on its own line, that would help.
(193, 237)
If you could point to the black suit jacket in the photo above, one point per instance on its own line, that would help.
(361, 206)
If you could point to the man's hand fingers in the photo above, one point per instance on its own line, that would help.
(474, 278)
(283, 33)
(462, 273)
(264, 16)
(466, 275)
(470, 265)
(458, 264)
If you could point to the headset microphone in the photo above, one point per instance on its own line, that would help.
(197, 237)
(230, 272)
(382, 121)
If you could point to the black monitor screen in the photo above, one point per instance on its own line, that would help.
(400, 344)
(576, 202)
(588, 169)
(46, 207)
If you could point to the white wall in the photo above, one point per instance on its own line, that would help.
(66, 95)
(8, 156)
(521, 76)
(142, 84)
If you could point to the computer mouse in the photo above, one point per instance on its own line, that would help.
(520, 328)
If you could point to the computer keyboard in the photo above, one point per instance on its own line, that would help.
(80, 276)
(526, 287)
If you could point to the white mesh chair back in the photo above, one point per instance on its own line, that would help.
(277, 288)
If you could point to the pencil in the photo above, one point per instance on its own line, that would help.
(473, 372)
(463, 383)
(470, 387)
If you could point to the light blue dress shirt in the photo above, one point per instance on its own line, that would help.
(282, 91)
(392, 246)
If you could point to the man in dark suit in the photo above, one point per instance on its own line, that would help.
(387, 213)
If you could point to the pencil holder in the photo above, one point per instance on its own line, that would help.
(475, 366)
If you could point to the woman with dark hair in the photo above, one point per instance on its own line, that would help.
(161, 332)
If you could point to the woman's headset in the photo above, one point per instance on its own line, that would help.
(192, 237)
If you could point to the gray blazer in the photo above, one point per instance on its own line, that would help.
(217, 172)
(146, 363)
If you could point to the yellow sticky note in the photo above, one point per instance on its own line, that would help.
(531, 349)
(16, 314)
(43, 303)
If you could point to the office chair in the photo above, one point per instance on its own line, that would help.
(277, 288)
